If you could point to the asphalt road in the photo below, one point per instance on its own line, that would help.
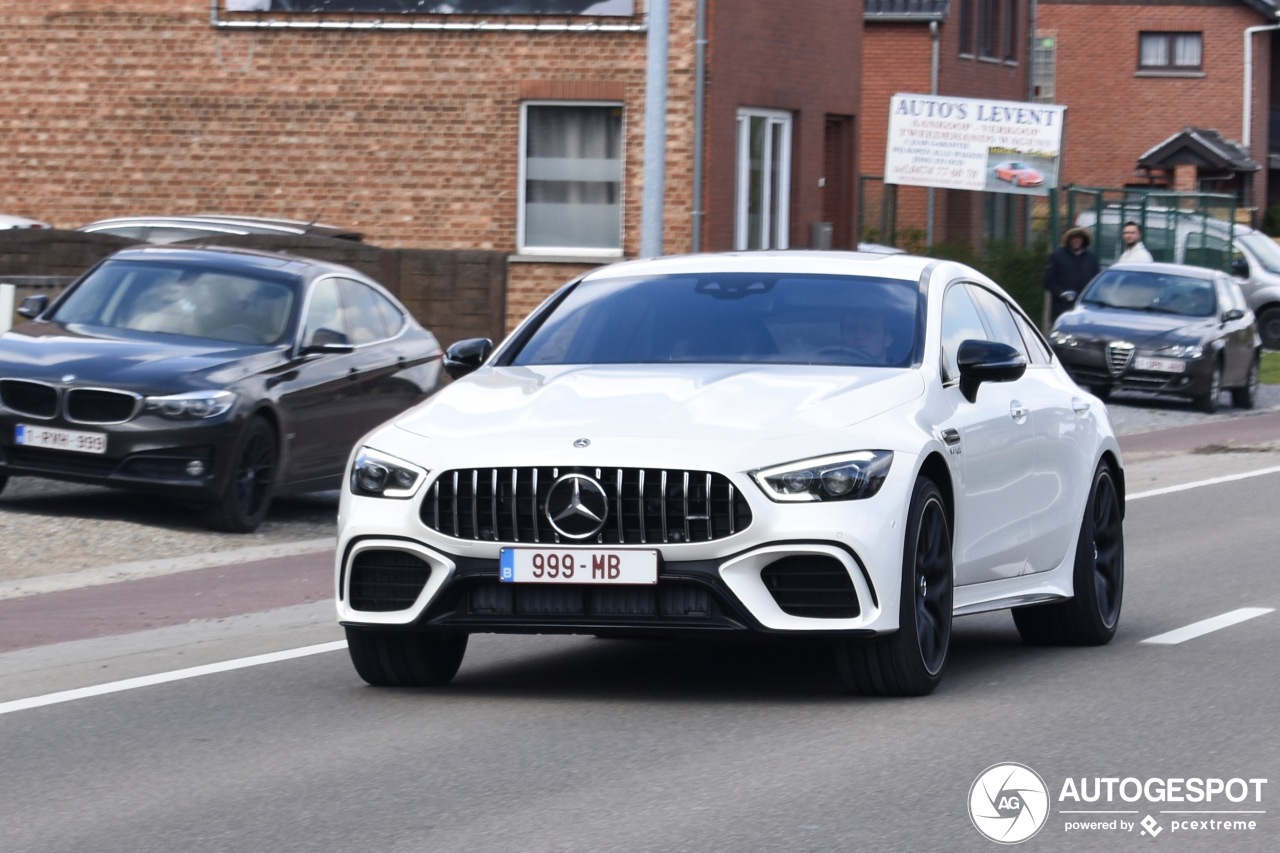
(578, 744)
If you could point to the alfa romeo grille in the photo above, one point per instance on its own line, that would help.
(645, 505)
(1119, 354)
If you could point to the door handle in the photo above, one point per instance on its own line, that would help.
(1080, 406)
(1018, 412)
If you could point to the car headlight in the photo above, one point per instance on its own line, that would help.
(1181, 351)
(191, 406)
(1065, 339)
(377, 475)
(847, 477)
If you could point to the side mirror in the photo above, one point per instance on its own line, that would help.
(1069, 296)
(1240, 268)
(327, 341)
(1232, 314)
(466, 356)
(33, 306)
(987, 361)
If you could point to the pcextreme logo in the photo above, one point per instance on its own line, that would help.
(1008, 803)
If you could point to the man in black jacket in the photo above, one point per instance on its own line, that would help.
(1070, 268)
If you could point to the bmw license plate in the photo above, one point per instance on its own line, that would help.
(60, 439)
(577, 565)
(1160, 365)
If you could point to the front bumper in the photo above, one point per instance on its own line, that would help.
(1091, 366)
(175, 458)
(797, 569)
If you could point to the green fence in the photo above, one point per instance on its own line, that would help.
(1188, 228)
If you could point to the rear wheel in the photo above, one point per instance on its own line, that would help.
(246, 499)
(1247, 397)
(1090, 617)
(1269, 326)
(405, 658)
(909, 662)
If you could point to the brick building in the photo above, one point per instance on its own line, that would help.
(953, 48)
(517, 133)
(1141, 84)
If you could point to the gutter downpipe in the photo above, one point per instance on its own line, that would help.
(933, 90)
(655, 131)
(1248, 80)
(699, 106)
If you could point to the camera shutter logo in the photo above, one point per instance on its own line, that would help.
(1008, 803)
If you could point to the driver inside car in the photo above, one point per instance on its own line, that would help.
(865, 332)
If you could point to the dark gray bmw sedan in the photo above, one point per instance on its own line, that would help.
(225, 377)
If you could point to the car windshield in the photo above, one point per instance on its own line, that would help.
(1264, 250)
(749, 318)
(176, 299)
(1158, 292)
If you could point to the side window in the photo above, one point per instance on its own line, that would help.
(762, 208)
(362, 314)
(1230, 296)
(1003, 326)
(324, 323)
(960, 322)
(1037, 348)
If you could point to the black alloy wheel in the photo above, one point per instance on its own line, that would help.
(910, 661)
(1091, 616)
(247, 498)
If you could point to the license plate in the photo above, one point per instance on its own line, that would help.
(60, 439)
(577, 565)
(1161, 365)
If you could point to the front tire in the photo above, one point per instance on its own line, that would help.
(1090, 617)
(1208, 403)
(910, 661)
(405, 658)
(1247, 397)
(247, 498)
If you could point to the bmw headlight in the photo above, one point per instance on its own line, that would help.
(375, 474)
(191, 406)
(1181, 351)
(846, 477)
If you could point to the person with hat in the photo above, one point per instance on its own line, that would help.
(1070, 268)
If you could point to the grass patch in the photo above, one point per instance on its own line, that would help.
(1271, 368)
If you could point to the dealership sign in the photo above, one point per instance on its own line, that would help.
(974, 144)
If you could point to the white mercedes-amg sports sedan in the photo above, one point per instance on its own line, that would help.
(848, 447)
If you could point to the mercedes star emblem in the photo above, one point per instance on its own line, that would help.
(577, 506)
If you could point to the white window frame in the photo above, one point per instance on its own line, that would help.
(522, 185)
(775, 186)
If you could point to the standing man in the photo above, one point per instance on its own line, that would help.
(1134, 251)
(1070, 268)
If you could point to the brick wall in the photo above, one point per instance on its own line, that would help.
(1116, 115)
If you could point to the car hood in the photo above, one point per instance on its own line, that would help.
(142, 362)
(662, 402)
(1137, 327)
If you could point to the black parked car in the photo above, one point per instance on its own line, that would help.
(223, 376)
(1163, 328)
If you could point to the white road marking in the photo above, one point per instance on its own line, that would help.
(1230, 478)
(165, 677)
(1206, 626)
